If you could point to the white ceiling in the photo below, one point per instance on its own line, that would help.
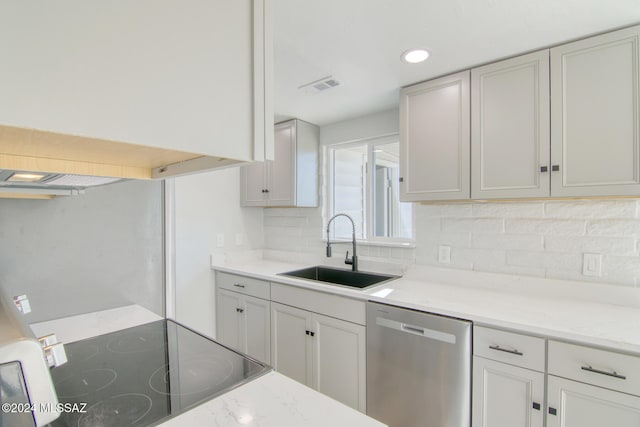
(359, 43)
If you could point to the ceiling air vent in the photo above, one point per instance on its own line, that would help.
(319, 85)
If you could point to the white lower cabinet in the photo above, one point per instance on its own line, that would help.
(506, 395)
(508, 379)
(574, 404)
(292, 346)
(589, 387)
(243, 315)
(323, 352)
(244, 324)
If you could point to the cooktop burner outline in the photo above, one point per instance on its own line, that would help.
(196, 375)
(174, 367)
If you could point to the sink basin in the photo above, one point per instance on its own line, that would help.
(336, 276)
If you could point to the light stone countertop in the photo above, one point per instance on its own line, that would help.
(594, 314)
(271, 400)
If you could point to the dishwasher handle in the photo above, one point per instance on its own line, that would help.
(416, 330)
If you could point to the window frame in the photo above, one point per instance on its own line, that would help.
(328, 194)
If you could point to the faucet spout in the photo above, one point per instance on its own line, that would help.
(353, 261)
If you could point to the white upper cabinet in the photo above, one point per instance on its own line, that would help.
(434, 139)
(510, 128)
(168, 87)
(595, 116)
(291, 179)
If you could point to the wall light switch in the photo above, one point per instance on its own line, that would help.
(592, 265)
(444, 254)
(220, 240)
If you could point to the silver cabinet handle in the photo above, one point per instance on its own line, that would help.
(613, 374)
(238, 285)
(413, 329)
(498, 348)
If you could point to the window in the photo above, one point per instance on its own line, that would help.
(363, 182)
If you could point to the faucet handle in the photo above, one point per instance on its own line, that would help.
(347, 260)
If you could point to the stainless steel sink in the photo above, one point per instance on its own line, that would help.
(336, 276)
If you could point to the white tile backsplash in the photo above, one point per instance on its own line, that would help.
(529, 238)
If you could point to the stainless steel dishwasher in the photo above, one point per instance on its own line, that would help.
(418, 368)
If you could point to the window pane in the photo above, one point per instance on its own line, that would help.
(349, 190)
(391, 218)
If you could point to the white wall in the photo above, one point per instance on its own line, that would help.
(75, 255)
(532, 238)
(206, 205)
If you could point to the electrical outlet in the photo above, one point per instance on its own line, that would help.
(220, 240)
(239, 239)
(444, 254)
(592, 265)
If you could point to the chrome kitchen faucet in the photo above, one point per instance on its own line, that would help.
(353, 261)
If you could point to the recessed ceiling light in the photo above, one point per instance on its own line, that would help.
(413, 56)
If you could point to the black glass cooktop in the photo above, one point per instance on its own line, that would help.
(142, 375)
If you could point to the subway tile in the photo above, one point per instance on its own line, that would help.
(460, 239)
(591, 209)
(477, 225)
(525, 242)
(558, 227)
(607, 245)
(451, 210)
(509, 210)
(487, 258)
(285, 221)
(550, 261)
(271, 232)
(613, 227)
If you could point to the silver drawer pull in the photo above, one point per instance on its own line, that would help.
(498, 348)
(613, 374)
(238, 285)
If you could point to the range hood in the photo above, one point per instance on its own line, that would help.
(66, 164)
(41, 185)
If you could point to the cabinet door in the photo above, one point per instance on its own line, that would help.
(291, 345)
(229, 319)
(257, 328)
(595, 101)
(506, 395)
(213, 67)
(253, 184)
(281, 171)
(582, 405)
(434, 139)
(339, 364)
(510, 128)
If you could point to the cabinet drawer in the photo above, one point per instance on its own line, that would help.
(508, 347)
(245, 285)
(603, 368)
(319, 302)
